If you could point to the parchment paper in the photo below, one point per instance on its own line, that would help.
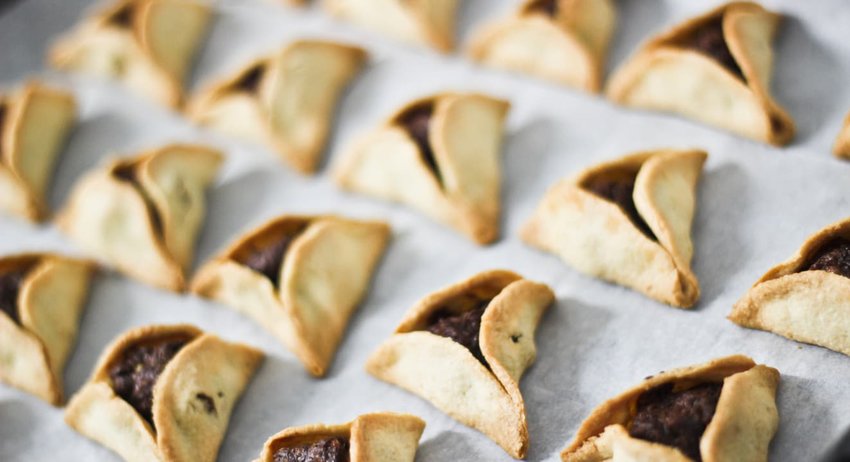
(756, 205)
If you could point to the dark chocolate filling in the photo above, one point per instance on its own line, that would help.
(124, 16)
(267, 259)
(250, 80)
(326, 450)
(547, 7)
(708, 39)
(833, 257)
(463, 328)
(10, 287)
(676, 419)
(127, 173)
(136, 372)
(620, 190)
(417, 122)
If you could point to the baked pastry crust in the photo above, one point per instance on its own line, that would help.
(285, 101)
(323, 276)
(743, 424)
(142, 215)
(423, 22)
(192, 400)
(841, 149)
(568, 46)
(667, 75)
(378, 437)
(133, 41)
(445, 373)
(34, 123)
(808, 306)
(459, 185)
(50, 301)
(597, 237)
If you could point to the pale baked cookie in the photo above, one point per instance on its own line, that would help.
(163, 393)
(422, 22)
(841, 148)
(34, 123)
(300, 277)
(142, 215)
(565, 41)
(379, 437)
(716, 69)
(440, 155)
(627, 221)
(284, 101)
(42, 297)
(464, 349)
(720, 411)
(149, 45)
(806, 298)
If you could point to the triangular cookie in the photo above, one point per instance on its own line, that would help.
(464, 349)
(627, 221)
(565, 41)
(163, 393)
(723, 410)
(300, 277)
(422, 22)
(41, 300)
(379, 437)
(142, 215)
(715, 68)
(149, 45)
(34, 124)
(806, 298)
(440, 155)
(841, 148)
(285, 101)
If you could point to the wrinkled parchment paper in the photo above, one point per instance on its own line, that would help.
(756, 205)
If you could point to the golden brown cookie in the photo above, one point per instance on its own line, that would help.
(627, 221)
(716, 69)
(34, 123)
(300, 277)
(284, 101)
(841, 149)
(720, 411)
(142, 215)
(806, 298)
(464, 349)
(163, 393)
(42, 297)
(565, 41)
(422, 22)
(378, 437)
(440, 155)
(134, 41)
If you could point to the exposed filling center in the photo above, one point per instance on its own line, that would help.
(709, 40)
(250, 80)
(676, 419)
(127, 174)
(833, 257)
(10, 287)
(124, 16)
(266, 256)
(326, 450)
(417, 122)
(463, 327)
(136, 372)
(548, 7)
(618, 187)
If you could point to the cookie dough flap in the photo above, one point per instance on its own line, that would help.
(176, 179)
(802, 299)
(484, 395)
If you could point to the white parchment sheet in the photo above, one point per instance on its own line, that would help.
(756, 205)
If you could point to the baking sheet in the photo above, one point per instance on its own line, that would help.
(756, 205)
